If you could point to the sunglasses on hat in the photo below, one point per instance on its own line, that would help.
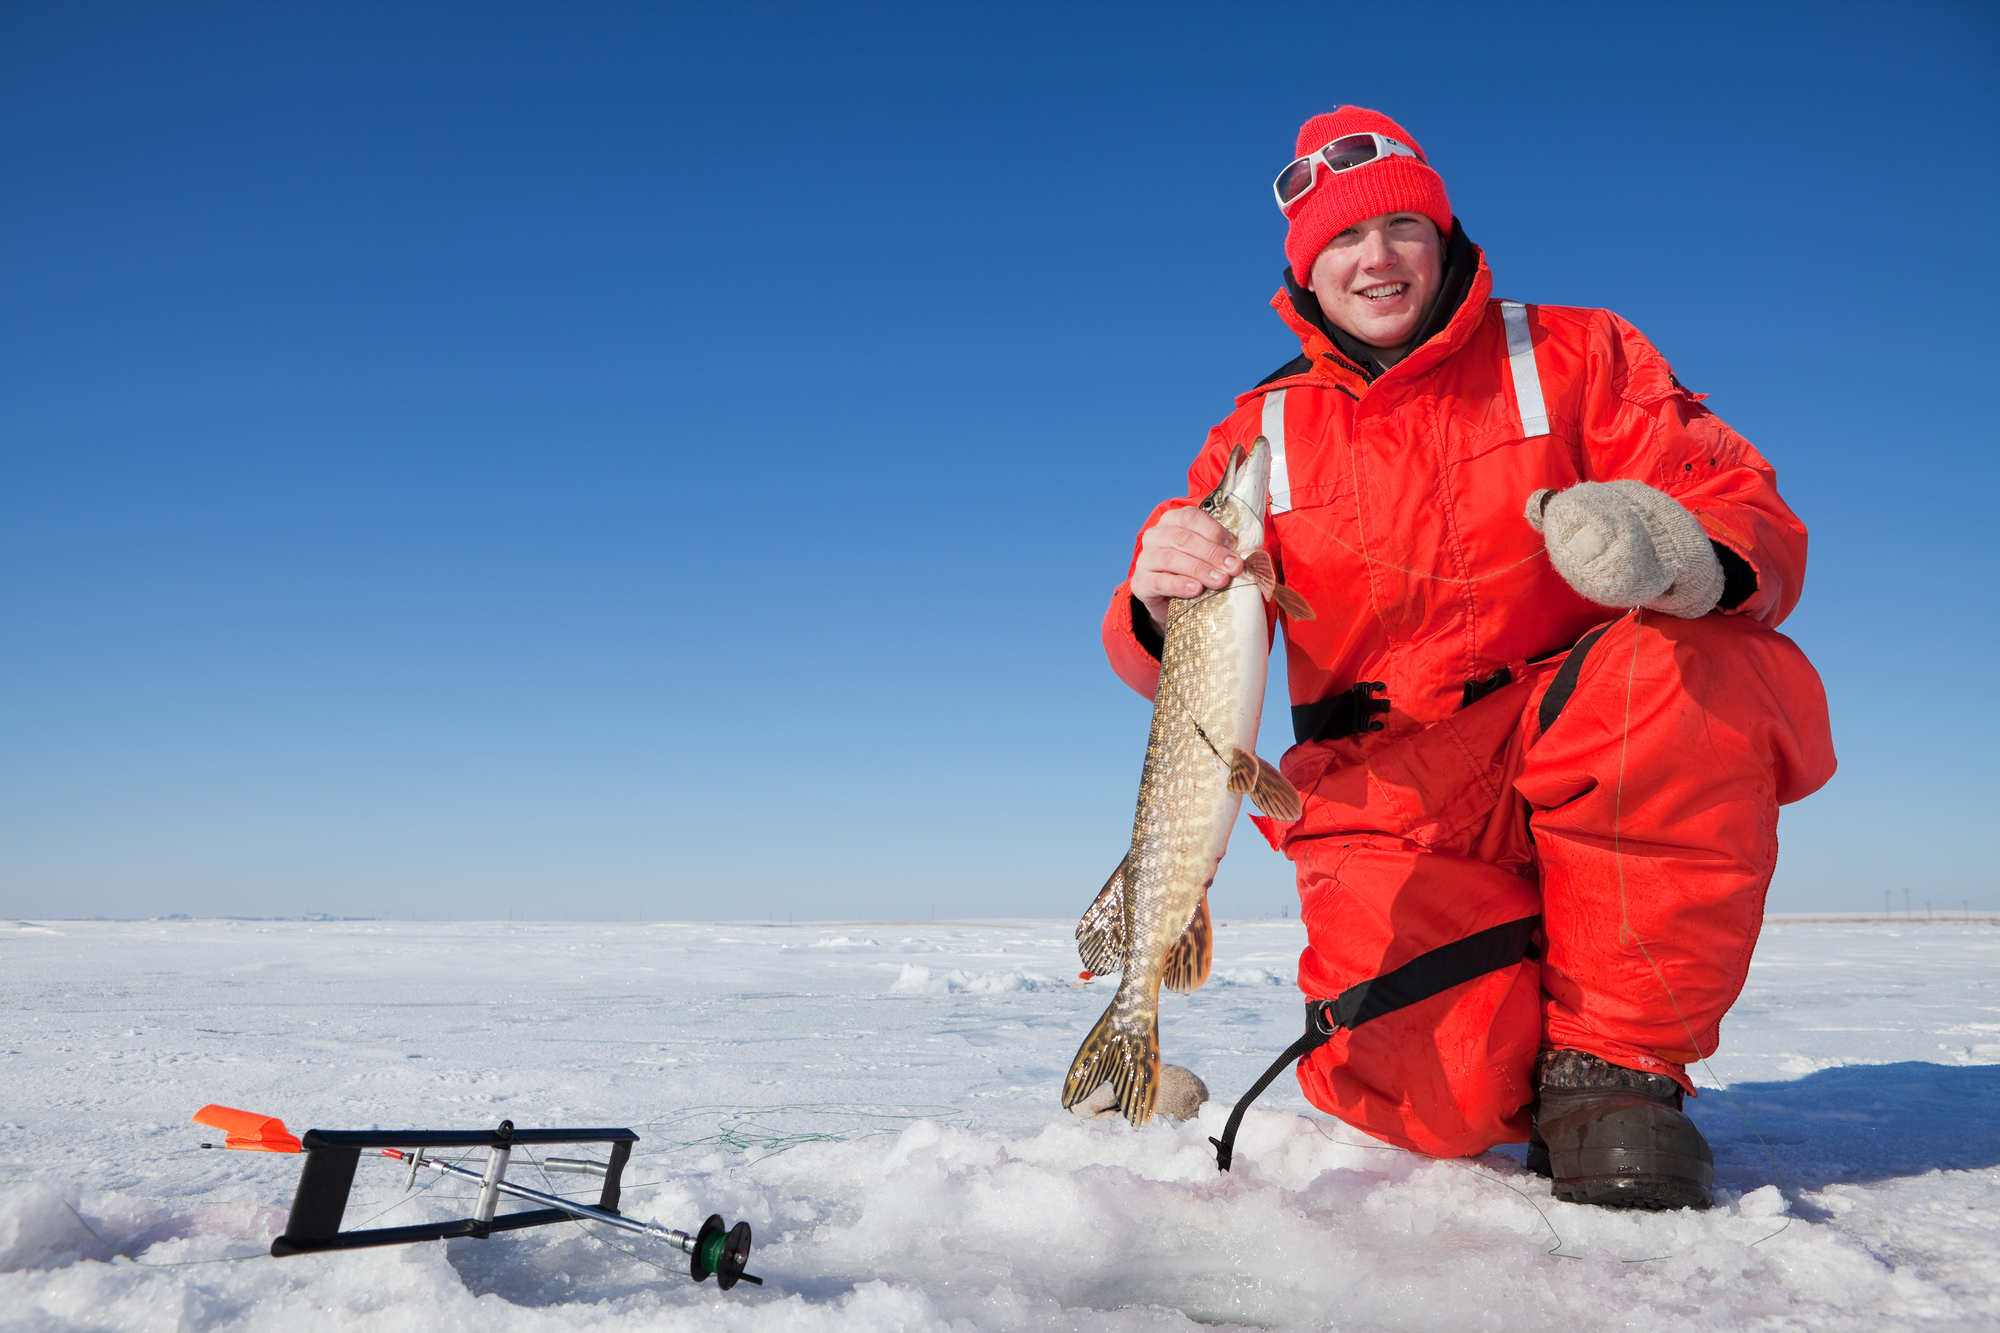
(1346, 153)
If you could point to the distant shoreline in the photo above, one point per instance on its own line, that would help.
(1935, 918)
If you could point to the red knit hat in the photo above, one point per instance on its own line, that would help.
(1341, 199)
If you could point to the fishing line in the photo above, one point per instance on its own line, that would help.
(1626, 932)
(408, 1196)
(1372, 562)
(182, 1263)
(1181, 704)
(741, 1129)
(1232, 586)
(1554, 1251)
(578, 1222)
(775, 1141)
(1189, 713)
(1178, 702)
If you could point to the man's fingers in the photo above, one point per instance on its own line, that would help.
(1167, 572)
(1152, 587)
(1214, 572)
(1200, 548)
(1181, 548)
(1192, 521)
(1181, 556)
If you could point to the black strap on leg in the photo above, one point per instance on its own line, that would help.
(1428, 974)
(1320, 1027)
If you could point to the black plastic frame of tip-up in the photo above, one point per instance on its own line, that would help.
(333, 1154)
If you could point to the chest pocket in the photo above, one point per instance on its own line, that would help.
(1325, 477)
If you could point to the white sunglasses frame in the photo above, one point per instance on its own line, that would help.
(1385, 148)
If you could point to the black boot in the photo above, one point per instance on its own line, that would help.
(1537, 1159)
(1616, 1137)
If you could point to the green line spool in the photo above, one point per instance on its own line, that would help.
(721, 1250)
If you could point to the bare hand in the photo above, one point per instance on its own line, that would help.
(1183, 554)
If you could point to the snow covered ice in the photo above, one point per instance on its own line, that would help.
(879, 1101)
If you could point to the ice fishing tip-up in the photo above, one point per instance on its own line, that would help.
(332, 1156)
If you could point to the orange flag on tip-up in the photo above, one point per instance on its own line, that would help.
(248, 1130)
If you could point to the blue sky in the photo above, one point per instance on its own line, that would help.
(630, 460)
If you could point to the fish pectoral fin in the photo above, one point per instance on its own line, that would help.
(1260, 567)
(1274, 793)
(1124, 1051)
(1242, 771)
(1293, 605)
(1100, 933)
(1188, 961)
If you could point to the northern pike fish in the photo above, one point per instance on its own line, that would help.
(1151, 920)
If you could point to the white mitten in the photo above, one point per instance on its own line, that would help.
(1624, 544)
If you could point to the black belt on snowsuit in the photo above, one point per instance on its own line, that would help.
(1426, 975)
(1353, 710)
(1348, 713)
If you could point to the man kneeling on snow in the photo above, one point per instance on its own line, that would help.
(1552, 824)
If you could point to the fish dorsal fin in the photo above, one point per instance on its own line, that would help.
(1100, 934)
(1188, 961)
(1275, 795)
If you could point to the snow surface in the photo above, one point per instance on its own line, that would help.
(878, 1100)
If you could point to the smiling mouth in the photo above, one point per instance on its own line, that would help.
(1387, 291)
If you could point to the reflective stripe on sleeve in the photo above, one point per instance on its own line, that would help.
(1521, 361)
(1274, 434)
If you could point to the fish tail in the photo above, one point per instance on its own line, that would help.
(1124, 1051)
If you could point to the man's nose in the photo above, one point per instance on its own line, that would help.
(1375, 251)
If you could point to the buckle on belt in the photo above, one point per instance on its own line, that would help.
(1349, 713)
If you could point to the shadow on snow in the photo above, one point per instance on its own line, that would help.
(1852, 1125)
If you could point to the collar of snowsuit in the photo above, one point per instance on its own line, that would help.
(1461, 267)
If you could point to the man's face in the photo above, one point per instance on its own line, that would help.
(1377, 278)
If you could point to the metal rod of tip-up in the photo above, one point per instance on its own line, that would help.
(714, 1249)
(717, 1250)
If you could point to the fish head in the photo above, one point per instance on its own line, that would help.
(1238, 501)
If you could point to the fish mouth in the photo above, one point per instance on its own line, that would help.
(1247, 480)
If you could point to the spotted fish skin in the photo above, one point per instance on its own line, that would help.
(1151, 920)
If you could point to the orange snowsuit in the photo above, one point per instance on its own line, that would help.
(1562, 832)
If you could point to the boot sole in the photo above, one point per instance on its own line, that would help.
(1651, 1193)
(1616, 1149)
(1637, 1178)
